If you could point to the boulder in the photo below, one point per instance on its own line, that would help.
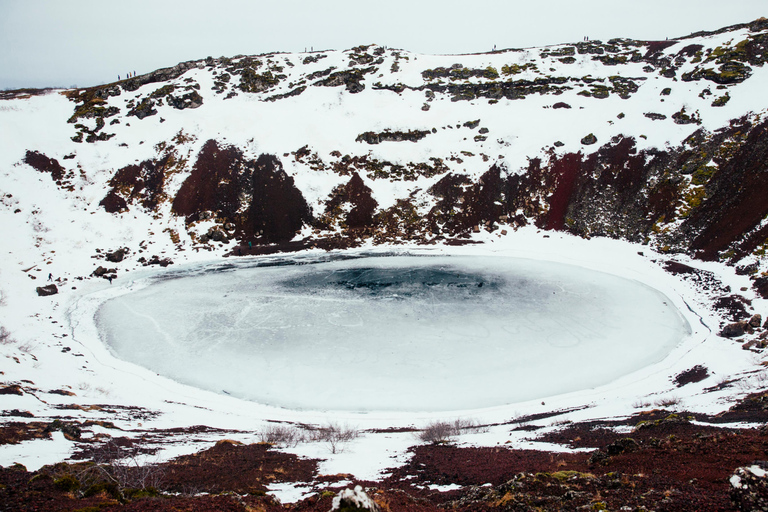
(755, 321)
(354, 499)
(735, 330)
(101, 271)
(117, 256)
(589, 139)
(749, 487)
(143, 109)
(51, 289)
(189, 100)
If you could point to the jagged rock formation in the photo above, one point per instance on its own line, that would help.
(671, 158)
(257, 198)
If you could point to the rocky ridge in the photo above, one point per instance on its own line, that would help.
(661, 143)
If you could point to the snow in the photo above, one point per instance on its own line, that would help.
(35, 454)
(54, 343)
(287, 492)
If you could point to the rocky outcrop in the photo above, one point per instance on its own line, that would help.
(42, 163)
(190, 100)
(160, 75)
(351, 79)
(142, 183)
(117, 256)
(257, 197)
(392, 136)
(145, 108)
(357, 195)
(730, 216)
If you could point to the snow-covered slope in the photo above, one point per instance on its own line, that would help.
(620, 156)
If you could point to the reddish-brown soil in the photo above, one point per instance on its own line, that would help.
(665, 463)
(244, 469)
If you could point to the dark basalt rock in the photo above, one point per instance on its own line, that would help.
(13, 389)
(682, 118)
(589, 139)
(691, 375)
(761, 286)
(42, 163)
(104, 272)
(733, 307)
(390, 136)
(144, 109)
(251, 81)
(352, 79)
(50, 289)
(160, 75)
(117, 256)
(735, 330)
(189, 100)
(155, 260)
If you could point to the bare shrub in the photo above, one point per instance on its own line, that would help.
(335, 435)
(520, 420)
(757, 380)
(641, 404)
(5, 336)
(280, 435)
(113, 470)
(124, 468)
(437, 432)
(468, 426)
(27, 348)
(669, 401)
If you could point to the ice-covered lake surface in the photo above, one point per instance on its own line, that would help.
(404, 333)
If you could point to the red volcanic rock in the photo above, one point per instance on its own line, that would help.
(224, 182)
(42, 163)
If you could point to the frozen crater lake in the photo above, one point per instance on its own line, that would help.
(399, 333)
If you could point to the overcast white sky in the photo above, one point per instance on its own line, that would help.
(89, 42)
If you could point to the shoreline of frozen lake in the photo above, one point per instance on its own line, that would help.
(402, 333)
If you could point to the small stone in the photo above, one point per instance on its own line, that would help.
(756, 320)
(589, 139)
